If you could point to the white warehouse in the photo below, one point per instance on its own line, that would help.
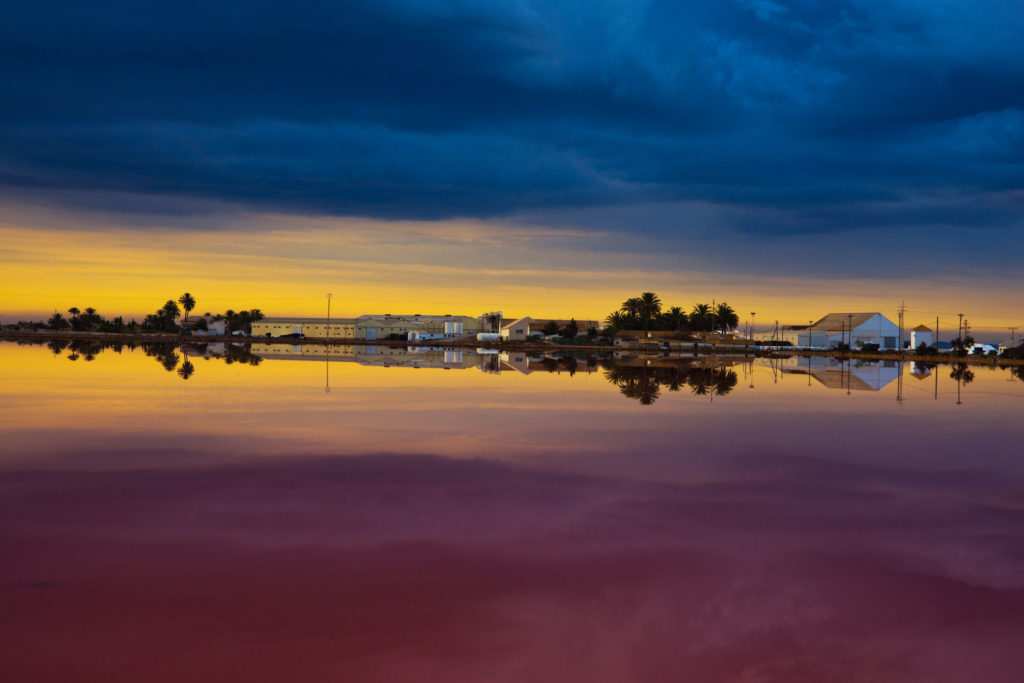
(855, 329)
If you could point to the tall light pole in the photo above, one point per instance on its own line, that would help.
(960, 327)
(752, 314)
(329, 295)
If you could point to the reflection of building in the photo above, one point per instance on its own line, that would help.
(844, 374)
(920, 370)
(854, 329)
(383, 356)
(370, 327)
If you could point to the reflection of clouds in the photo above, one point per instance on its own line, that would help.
(399, 567)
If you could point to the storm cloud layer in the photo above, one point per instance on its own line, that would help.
(806, 117)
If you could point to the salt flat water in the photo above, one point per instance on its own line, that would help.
(211, 513)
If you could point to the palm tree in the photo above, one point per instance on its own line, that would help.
(74, 310)
(726, 318)
(700, 317)
(170, 311)
(188, 302)
(617, 320)
(676, 317)
(631, 306)
(650, 306)
(57, 322)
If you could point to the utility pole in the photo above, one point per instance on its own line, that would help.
(960, 327)
(899, 341)
(329, 295)
(752, 314)
(1013, 335)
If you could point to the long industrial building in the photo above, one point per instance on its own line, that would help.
(372, 327)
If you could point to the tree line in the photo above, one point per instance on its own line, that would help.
(646, 312)
(164, 319)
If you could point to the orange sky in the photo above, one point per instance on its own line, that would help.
(287, 265)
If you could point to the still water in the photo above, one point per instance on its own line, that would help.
(375, 514)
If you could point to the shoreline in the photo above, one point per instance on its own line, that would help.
(680, 352)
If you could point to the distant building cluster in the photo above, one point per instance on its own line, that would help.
(417, 327)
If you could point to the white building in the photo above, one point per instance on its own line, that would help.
(921, 335)
(855, 329)
(516, 330)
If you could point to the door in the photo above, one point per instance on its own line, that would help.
(371, 332)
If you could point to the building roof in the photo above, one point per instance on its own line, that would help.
(922, 328)
(519, 321)
(309, 321)
(843, 321)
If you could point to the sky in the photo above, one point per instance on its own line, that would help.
(542, 158)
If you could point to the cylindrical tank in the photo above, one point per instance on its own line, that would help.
(488, 337)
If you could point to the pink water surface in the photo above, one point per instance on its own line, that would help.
(783, 533)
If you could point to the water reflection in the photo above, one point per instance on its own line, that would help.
(644, 382)
(528, 518)
(168, 355)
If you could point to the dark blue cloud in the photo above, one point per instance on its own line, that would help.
(835, 116)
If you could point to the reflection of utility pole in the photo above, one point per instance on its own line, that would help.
(899, 382)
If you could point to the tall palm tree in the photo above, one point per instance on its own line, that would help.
(188, 302)
(650, 306)
(726, 318)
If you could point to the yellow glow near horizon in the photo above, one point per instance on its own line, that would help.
(458, 267)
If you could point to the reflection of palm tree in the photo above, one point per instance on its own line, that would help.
(962, 373)
(186, 369)
(169, 360)
(725, 381)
